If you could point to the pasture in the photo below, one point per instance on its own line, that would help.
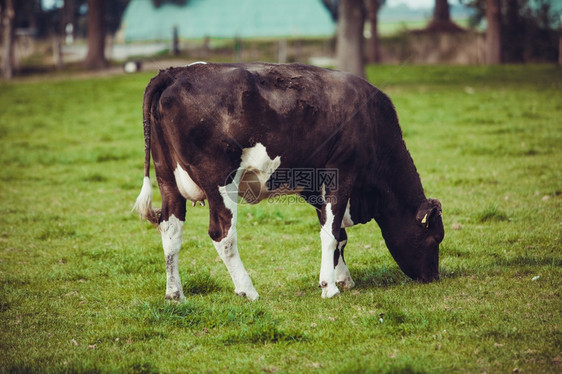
(83, 280)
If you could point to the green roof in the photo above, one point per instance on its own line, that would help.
(226, 19)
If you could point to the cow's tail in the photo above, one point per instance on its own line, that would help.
(143, 205)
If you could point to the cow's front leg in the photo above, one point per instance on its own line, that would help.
(222, 230)
(343, 277)
(329, 251)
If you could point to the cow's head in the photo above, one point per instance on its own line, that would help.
(415, 247)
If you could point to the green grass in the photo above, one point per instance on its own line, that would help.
(83, 281)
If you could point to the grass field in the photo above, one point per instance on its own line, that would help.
(83, 280)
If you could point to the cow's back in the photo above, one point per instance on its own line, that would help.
(306, 115)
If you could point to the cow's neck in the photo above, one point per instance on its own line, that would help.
(399, 189)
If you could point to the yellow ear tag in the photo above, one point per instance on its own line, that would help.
(424, 219)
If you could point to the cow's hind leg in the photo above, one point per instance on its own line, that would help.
(171, 229)
(343, 277)
(222, 230)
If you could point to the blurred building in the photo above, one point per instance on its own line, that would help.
(143, 21)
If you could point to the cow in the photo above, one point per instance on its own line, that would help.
(220, 131)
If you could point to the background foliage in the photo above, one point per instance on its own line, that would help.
(530, 29)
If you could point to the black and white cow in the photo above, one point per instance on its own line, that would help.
(220, 131)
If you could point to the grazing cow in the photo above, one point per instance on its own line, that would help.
(220, 131)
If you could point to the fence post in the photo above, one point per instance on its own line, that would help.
(57, 51)
(237, 49)
(282, 51)
(175, 41)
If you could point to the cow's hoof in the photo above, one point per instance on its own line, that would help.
(175, 296)
(347, 283)
(250, 295)
(329, 290)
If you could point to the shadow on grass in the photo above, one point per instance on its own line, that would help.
(262, 333)
(20, 369)
(242, 324)
(446, 272)
(143, 368)
(84, 368)
(377, 277)
(366, 367)
(387, 277)
(200, 284)
(526, 260)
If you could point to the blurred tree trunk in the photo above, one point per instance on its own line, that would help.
(68, 25)
(373, 50)
(351, 19)
(57, 51)
(95, 59)
(513, 33)
(8, 16)
(441, 20)
(493, 32)
(441, 12)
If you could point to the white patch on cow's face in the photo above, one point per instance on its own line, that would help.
(329, 245)
(187, 187)
(347, 222)
(172, 231)
(257, 168)
(197, 63)
(227, 248)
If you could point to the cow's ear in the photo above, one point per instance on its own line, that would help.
(428, 211)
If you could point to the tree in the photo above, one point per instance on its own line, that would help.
(441, 20)
(518, 30)
(373, 7)
(351, 19)
(8, 15)
(95, 59)
(512, 29)
(493, 32)
(69, 18)
(373, 51)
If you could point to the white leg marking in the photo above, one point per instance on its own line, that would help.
(227, 248)
(343, 277)
(171, 231)
(329, 243)
(257, 160)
